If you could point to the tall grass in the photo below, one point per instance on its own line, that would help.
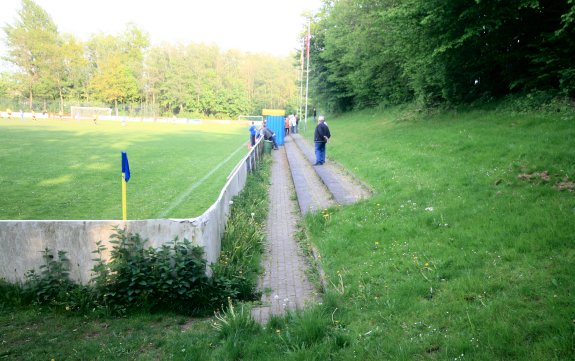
(66, 169)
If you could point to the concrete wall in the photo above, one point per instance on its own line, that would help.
(22, 242)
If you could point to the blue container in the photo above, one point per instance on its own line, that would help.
(276, 124)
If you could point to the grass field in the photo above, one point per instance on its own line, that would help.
(467, 249)
(465, 252)
(67, 169)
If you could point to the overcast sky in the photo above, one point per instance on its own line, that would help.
(270, 26)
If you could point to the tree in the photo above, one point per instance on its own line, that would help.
(114, 82)
(117, 65)
(75, 70)
(154, 73)
(32, 43)
(65, 69)
(368, 52)
(195, 79)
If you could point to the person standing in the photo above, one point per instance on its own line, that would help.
(320, 138)
(253, 134)
(314, 115)
(297, 123)
(292, 124)
(286, 126)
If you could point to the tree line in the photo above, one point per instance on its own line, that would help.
(53, 70)
(368, 53)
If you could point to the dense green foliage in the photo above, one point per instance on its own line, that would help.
(122, 71)
(371, 52)
(139, 278)
(237, 271)
(51, 284)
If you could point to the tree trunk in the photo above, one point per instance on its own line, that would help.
(30, 98)
(61, 100)
(116, 106)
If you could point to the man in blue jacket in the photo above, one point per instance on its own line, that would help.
(320, 138)
(253, 131)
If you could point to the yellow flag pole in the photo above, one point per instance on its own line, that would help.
(124, 203)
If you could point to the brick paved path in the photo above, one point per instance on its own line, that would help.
(284, 264)
(284, 284)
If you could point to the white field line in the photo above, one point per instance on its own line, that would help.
(185, 194)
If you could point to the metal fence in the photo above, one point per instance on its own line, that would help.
(52, 106)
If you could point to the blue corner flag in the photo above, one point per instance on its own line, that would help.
(125, 166)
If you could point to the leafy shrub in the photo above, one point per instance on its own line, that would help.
(171, 277)
(11, 295)
(236, 272)
(52, 284)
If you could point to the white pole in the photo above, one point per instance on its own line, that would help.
(300, 100)
(307, 73)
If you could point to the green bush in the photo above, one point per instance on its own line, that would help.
(171, 277)
(11, 295)
(236, 273)
(52, 284)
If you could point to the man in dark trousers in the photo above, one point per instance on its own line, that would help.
(253, 131)
(269, 135)
(320, 138)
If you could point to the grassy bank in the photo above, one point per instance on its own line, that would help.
(467, 249)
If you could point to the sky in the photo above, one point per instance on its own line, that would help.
(263, 26)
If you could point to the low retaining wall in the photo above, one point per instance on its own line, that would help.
(22, 242)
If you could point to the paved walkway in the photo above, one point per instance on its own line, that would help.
(285, 285)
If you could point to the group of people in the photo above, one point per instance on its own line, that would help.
(321, 135)
(291, 124)
(264, 132)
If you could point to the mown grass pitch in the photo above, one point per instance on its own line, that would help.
(68, 169)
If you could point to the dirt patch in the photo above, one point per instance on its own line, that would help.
(565, 184)
(188, 324)
(535, 176)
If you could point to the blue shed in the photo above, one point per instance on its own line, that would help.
(276, 124)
